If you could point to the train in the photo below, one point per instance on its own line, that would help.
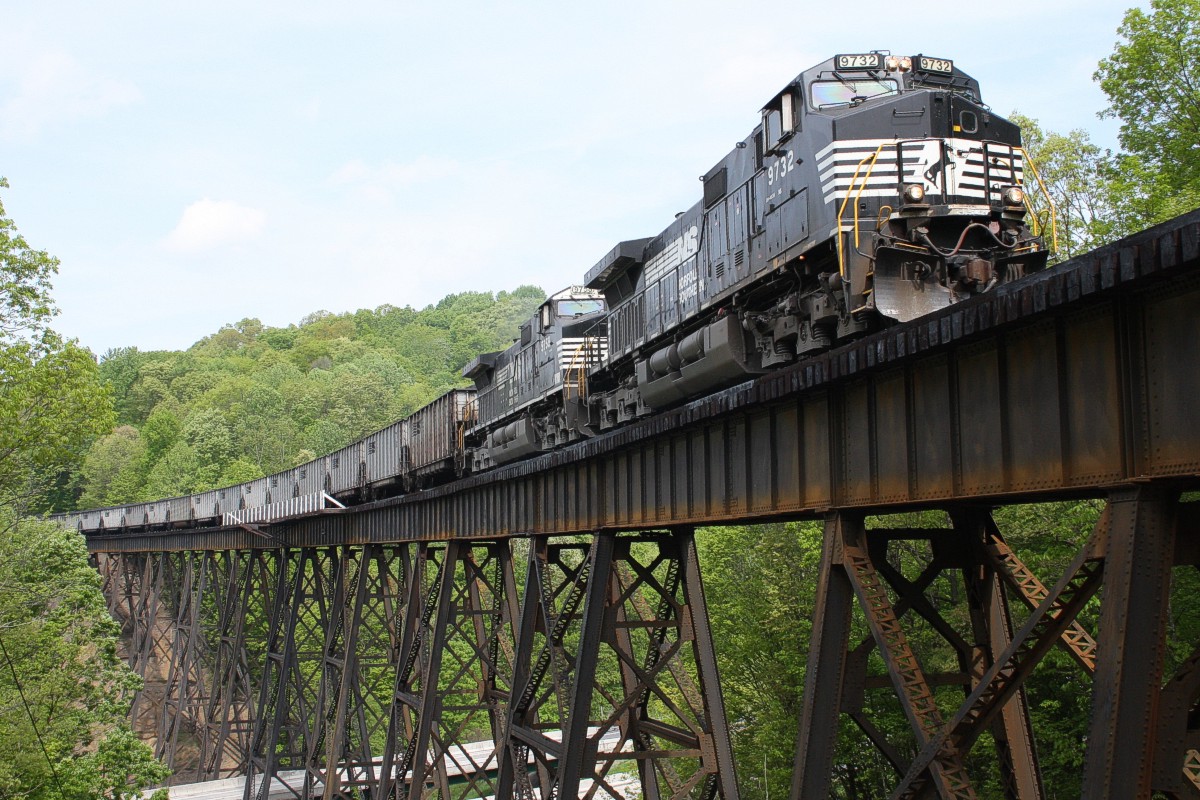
(873, 189)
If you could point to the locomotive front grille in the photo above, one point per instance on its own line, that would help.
(582, 352)
(962, 170)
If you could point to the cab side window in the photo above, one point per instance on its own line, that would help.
(779, 121)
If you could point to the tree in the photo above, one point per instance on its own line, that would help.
(64, 691)
(114, 469)
(758, 583)
(1152, 80)
(25, 275)
(1077, 176)
(52, 403)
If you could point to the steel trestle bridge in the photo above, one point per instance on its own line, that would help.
(555, 607)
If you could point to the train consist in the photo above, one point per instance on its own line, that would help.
(874, 189)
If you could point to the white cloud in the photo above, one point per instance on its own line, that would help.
(211, 223)
(52, 87)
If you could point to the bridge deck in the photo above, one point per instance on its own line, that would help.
(1078, 378)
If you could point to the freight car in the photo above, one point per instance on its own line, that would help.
(425, 448)
(874, 189)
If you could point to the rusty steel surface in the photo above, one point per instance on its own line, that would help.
(423, 670)
(1078, 378)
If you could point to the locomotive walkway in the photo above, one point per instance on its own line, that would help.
(392, 631)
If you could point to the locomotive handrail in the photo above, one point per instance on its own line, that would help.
(842, 210)
(1049, 201)
(856, 187)
(470, 416)
(578, 369)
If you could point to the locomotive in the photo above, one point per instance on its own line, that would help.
(874, 189)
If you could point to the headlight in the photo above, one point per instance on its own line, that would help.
(1013, 196)
(892, 63)
(905, 64)
(914, 193)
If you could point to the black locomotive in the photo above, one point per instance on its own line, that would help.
(874, 189)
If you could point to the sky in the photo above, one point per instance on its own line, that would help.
(193, 164)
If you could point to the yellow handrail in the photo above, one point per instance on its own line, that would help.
(470, 415)
(842, 210)
(579, 369)
(1049, 201)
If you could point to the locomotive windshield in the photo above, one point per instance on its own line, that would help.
(847, 90)
(575, 308)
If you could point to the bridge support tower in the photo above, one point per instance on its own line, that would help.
(1142, 735)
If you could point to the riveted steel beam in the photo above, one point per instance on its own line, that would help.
(1060, 385)
(946, 770)
(1131, 644)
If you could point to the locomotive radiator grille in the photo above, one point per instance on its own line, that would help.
(963, 168)
(583, 352)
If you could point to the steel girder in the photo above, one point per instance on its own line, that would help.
(1074, 380)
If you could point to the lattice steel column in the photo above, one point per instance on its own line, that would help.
(946, 770)
(474, 680)
(344, 569)
(243, 592)
(826, 671)
(1040, 632)
(991, 623)
(641, 684)
(1131, 643)
(184, 696)
(407, 727)
(359, 656)
(291, 673)
(556, 579)
(150, 640)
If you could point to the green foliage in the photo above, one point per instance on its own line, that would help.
(1152, 80)
(25, 304)
(251, 400)
(758, 584)
(114, 469)
(63, 691)
(52, 403)
(1077, 175)
(61, 645)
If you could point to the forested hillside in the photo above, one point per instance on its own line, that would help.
(250, 400)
